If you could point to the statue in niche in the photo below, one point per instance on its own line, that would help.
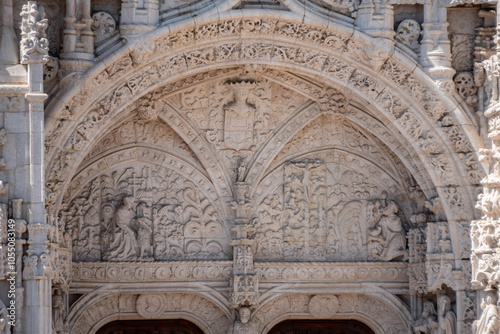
(489, 323)
(123, 245)
(239, 117)
(244, 325)
(446, 317)
(427, 323)
(58, 312)
(388, 237)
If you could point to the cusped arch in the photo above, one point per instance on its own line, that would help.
(333, 53)
(104, 308)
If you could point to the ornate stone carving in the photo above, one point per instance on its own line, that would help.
(466, 88)
(387, 240)
(114, 216)
(104, 27)
(150, 305)
(427, 323)
(34, 44)
(408, 33)
(244, 325)
(239, 117)
(323, 306)
(490, 318)
(446, 318)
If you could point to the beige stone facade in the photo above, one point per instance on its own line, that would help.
(240, 163)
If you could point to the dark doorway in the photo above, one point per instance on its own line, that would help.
(321, 327)
(177, 326)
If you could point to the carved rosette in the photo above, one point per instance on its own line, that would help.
(150, 305)
(34, 44)
(323, 306)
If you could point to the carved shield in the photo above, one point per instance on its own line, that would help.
(238, 126)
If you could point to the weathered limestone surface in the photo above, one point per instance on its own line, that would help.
(237, 164)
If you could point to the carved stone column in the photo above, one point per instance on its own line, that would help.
(435, 54)
(37, 273)
(376, 18)
(138, 16)
(77, 52)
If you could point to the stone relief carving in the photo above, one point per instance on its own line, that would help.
(348, 306)
(408, 33)
(323, 306)
(427, 323)
(387, 238)
(466, 88)
(243, 325)
(239, 117)
(446, 318)
(490, 318)
(34, 44)
(322, 216)
(104, 27)
(143, 213)
(150, 305)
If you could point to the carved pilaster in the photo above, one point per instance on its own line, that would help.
(244, 281)
(435, 55)
(37, 272)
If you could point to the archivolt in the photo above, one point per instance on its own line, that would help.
(104, 307)
(381, 313)
(428, 119)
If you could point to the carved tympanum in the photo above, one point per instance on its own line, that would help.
(144, 212)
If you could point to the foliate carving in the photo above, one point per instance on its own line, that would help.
(387, 240)
(147, 107)
(323, 306)
(144, 212)
(151, 305)
(34, 44)
(104, 26)
(333, 101)
(466, 88)
(408, 33)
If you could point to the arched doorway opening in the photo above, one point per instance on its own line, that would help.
(321, 327)
(170, 326)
